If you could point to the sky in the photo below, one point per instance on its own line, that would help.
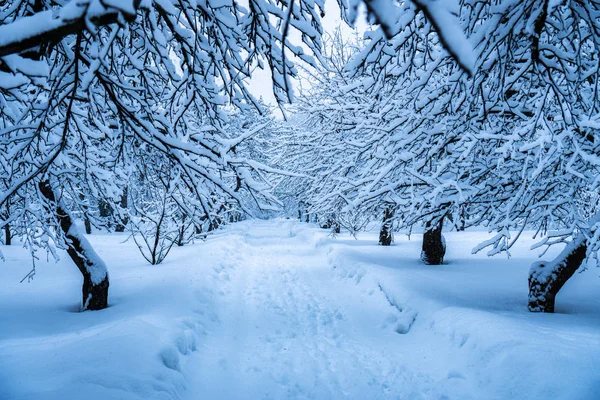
(260, 83)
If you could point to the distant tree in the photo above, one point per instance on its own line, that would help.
(386, 236)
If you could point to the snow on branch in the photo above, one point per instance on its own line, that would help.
(443, 16)
(53, 25)
(445, 20)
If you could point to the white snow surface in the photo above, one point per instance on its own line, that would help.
(279, 310)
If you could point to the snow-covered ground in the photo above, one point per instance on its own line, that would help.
(279, 310)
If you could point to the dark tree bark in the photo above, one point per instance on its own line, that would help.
(336, 228)
(86, 218)
(181, 233)
(385, 234)
(331, 223)
(91, 266)
(7, 232)
(434, 245)
(462, 220)
(7, 235)
(300, 208)
(120, 227)
(155, 250)
(212, 225)
(88, 225)
(546, 279)
(105, 209)
(124, 205)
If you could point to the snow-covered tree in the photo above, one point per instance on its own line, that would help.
(357, 147)
(84, 84)
(515, 144)
(468, 112)
(509, 144)
(541, 73)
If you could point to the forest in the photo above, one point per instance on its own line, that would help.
(299, 199)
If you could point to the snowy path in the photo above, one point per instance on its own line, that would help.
(279, 310)
(289, 329)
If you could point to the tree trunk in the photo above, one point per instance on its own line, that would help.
(7, 235)
(462, 220)
(91, 266)
(86, 218)
(546, 279)
(434, 245)
(181, 233)
(105, 209)
(124, 205)
(336, 227)
(88, 225)
(385, 234)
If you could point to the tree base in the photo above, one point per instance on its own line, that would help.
(95, 297)
(434, 246)
(385, 234)
(546, 279)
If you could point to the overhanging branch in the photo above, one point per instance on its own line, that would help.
(53, 25)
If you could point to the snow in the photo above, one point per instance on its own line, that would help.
(279, 310)
(128, 7)
(95, 265)
(28, 27)
(10, 81)
(443, 14)
(27, 66)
